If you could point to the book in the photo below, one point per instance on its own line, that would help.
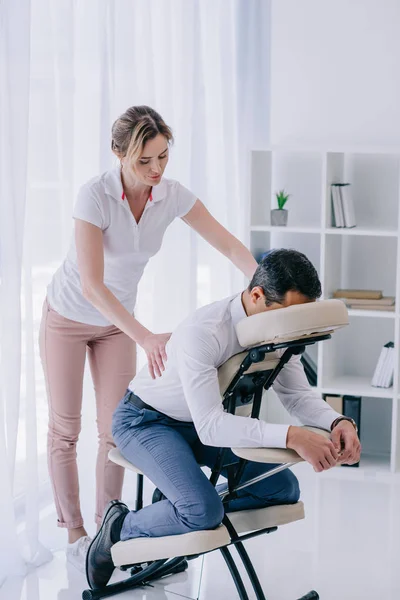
(370, 307)
(388, 370)
(384, 370)
(347, 205)
(379, 367)
(335, 401)
(388, 367)
(337, 208)
(367, 294)
(342, 205)
(352, 409)
(384, 301)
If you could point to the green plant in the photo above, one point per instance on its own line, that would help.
(281, 198)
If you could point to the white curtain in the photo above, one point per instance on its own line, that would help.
(70, 68)
(17, 393)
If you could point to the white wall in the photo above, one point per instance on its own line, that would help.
(335, 68)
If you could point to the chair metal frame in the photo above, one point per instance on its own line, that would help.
(243, 389)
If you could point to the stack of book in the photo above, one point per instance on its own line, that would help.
(349, 406)
(342, 205)
(384, 371)
(366, 299)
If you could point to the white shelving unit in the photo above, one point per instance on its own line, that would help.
(367, 256)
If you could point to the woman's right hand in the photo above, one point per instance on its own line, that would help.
(154, 346)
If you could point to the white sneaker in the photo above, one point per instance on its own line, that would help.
(76, 552)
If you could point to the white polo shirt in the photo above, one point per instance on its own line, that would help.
(188, 389)
(128, 245)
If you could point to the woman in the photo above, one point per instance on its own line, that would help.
(120, 218)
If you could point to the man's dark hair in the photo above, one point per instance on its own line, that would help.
(283, 270)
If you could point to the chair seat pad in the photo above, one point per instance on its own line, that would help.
(275, 455)
(116, 457)
(145, 549)
(272, 516)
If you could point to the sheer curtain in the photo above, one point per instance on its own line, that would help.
(70, 68)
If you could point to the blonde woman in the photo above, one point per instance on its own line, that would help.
(120, 218)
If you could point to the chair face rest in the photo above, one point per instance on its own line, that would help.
(275, 455)
(292, 323)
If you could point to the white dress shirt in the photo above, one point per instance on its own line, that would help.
(128, 245)
(188, 389)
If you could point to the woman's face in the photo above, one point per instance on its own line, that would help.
(151, 164)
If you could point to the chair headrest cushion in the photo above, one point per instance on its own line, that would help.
(292, 323)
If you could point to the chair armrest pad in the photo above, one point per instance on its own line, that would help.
(275, 455)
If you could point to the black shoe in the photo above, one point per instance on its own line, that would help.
(99, 564)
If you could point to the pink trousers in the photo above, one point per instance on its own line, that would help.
(112, 359)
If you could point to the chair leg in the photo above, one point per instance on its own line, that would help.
(255, 582)
(235, 573)
(138, 580)
(139, 492)
(313, 595)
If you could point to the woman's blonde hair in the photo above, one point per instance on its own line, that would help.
(134, 128)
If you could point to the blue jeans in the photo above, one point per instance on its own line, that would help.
(170, 453)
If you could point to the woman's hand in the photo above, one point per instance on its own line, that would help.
(154, 346)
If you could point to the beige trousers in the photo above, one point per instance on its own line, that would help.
(112, 359)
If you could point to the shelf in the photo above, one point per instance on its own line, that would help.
(364, 257)
(353, 312)
(285, 229)
(393, 150)
(328, 230)
(360, 231)
(355, 386)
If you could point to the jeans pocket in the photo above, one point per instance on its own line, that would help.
(125, 417)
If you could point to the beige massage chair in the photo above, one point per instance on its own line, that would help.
(272, 338)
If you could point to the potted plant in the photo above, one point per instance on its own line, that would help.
(279, 216)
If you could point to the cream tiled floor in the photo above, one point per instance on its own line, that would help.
(347, 548)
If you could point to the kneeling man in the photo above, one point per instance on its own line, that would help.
(169, 426)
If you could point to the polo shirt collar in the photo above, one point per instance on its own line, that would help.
(113, 186)
(237, 310)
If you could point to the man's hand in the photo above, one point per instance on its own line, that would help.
(346, 442)
(319, 451)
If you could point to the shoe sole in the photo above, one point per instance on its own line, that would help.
(111, 505)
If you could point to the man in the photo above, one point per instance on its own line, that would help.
(169, 426)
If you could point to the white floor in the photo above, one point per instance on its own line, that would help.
(348, 547)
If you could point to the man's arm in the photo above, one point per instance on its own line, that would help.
(196, 357)
(300, 399)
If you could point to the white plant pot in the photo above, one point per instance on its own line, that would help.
(279, 217)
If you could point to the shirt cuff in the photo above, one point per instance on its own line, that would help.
(327, 420)
(275, 435)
